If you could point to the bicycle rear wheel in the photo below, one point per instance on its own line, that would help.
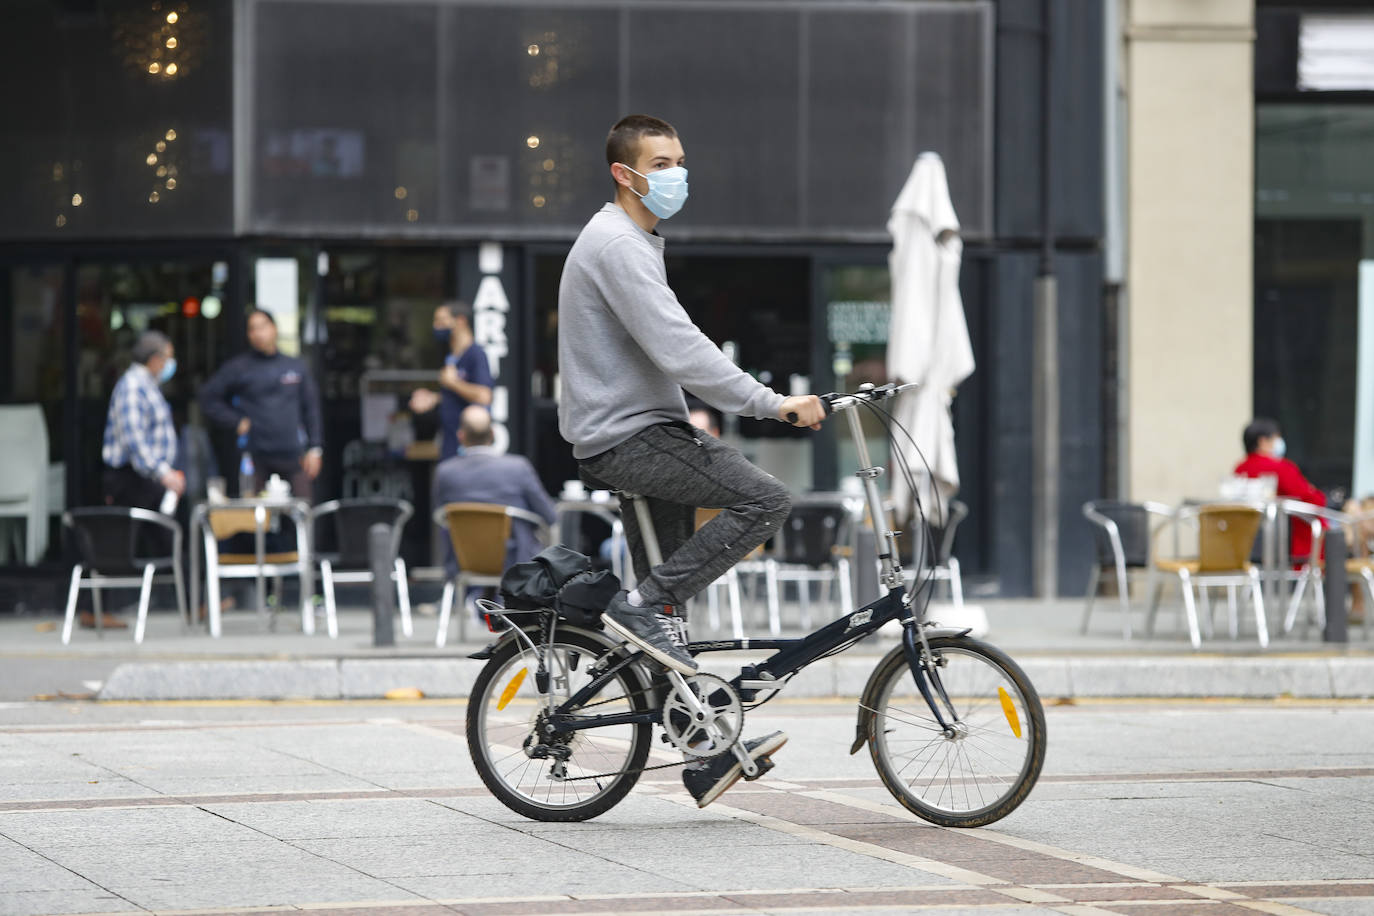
(980, 768)
(506, 709)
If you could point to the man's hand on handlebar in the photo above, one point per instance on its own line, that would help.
(802, 410)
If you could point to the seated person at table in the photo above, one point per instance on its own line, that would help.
(1264, 451)
(479, 474)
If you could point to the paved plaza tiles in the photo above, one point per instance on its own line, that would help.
(1146, 808)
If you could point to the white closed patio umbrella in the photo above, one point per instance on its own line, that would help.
(928, 338)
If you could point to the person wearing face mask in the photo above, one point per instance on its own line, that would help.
(465, 378)
(1264, 456)
(626, 351)
(140, 443)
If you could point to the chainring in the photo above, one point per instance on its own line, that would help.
(714, 732)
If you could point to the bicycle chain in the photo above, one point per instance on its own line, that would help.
(661, 766)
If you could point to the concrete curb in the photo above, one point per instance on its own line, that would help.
(1073, 677)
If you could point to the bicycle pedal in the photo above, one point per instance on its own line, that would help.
(764, 764)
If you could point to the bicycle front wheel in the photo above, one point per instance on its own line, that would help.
(982, 764)
(555, 777)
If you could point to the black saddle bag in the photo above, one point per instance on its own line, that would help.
(562, 579)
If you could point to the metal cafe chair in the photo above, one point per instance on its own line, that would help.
(479, 533)
(1360, 565)
(351, 562)
(940, 565)
(813, 545)
(1121, 532)
(107, 542)
(729, 581)
(221, 521)
(1311, 571)
(1226, 534)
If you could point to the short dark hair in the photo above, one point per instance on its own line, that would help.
(457, 308)
(1259, 428)
(148, 345)
(263, 312)
(622, 143)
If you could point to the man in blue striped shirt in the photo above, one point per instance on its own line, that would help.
(140, 441)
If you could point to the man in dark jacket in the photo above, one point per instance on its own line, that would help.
(273, 404)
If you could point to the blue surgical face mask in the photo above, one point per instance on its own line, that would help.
(1280, 447)
(667, 190)
(168, 370)
(442, 337)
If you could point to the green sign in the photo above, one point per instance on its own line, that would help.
(857, 321)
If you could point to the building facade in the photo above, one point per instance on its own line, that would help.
(350, 164)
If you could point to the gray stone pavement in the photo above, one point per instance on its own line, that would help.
(1145, 808)
(250, 662)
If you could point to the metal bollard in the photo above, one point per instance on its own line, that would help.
(380, 560)
(1336, 629)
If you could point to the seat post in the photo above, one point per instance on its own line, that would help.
(646, 527)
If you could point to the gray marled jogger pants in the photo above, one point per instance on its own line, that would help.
(680, 468)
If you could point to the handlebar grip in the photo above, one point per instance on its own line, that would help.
(825, 407)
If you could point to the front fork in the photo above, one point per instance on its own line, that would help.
(927, 678)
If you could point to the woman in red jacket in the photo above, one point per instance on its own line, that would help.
(1264, 450)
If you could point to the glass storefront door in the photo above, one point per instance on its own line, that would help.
(116, 300)
(1314, 227)
(375, 345)
(855, 302)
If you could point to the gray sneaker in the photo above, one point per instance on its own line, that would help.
(649, 631)
(707, 779)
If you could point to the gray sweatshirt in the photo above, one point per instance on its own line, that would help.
(626, 347)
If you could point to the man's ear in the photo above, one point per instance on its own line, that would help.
(620, 174)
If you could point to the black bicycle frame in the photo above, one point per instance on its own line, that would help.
(792, 655)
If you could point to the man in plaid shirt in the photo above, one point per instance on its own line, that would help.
(140, 441)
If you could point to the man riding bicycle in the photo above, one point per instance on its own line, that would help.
(626, 351)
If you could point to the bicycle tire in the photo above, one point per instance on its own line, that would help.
(981, 774)
(497, 739)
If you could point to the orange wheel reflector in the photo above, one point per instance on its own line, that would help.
(509, 693)
(1008, 710)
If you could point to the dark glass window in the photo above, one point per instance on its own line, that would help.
(479, 119)
(528, 94)
(117, 122)
(345, 117)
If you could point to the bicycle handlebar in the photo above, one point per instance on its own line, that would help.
(867, 392)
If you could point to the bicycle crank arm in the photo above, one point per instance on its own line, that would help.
(688, 695)
(747, 764)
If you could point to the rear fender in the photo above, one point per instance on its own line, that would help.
(868, 700)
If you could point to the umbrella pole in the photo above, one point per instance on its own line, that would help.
(1045, 390)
